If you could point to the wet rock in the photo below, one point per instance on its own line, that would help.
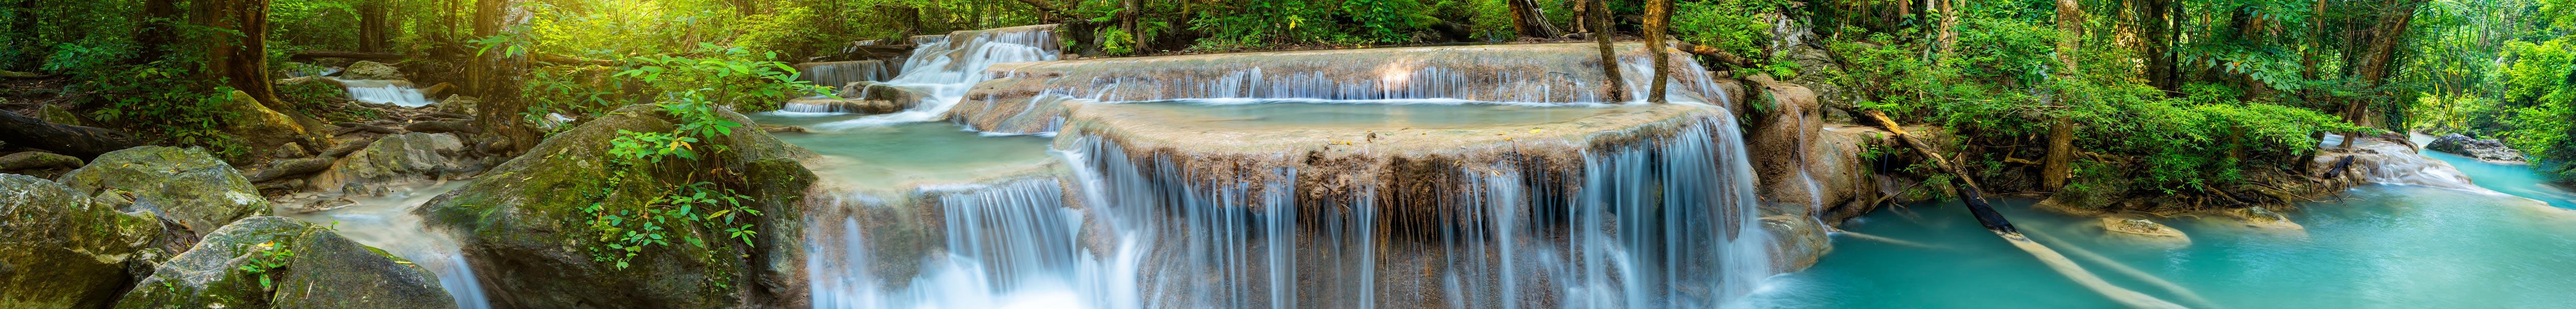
(371, 70)
(2141, 229)
(184, 185)
(853, 106)
(394, 158)
(434, 90)
(523, 230)
(62, 250)
(780, 128)
(2488, 150)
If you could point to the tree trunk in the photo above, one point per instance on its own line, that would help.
(1528, 20)
(155, 36)
(372, 24)
(2061, 132)
(1601, 32)
(1949, 38)
(2374, 65)
(241, 62)
(2158, 48)
(1659, 16)
(1130, 19)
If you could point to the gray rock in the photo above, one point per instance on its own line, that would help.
(394, 158)
(183, 185)
(2482, 149)
(60, 250)
(371, 70)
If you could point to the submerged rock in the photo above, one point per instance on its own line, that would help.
(522, 227)
(371, 70)
(58, 249)
(2258, 217)
(2489, 150)
(187, 186)
(2141, 229)
(298, 265)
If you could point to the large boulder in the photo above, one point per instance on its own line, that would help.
(394, 158)
(187, 186)
(2488, 150)
(58, 249)
(279, 262)
(261, 127)
(524, 232)
(371, 70)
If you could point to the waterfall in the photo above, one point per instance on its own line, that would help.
(945, 67)
(395, 92)
(839, 73)
(1011, 245)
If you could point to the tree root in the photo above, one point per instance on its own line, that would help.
(2132, 272)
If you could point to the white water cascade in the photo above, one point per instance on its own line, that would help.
(943, 68)
(394, 92)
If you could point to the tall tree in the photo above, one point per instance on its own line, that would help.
(2374, 64)
(2155, 26)
(158, 30)
(1529, 20)
(1659, 17)
(2061, 132)
(1130, 20)
(1601, 32)
(373, 25)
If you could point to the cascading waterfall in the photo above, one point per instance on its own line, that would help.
(839, 73)
(393, 92)
(944, 67)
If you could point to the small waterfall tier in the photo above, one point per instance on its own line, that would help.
(1301, 205)
(393, 92)
(942, 68)
(1024, 97)
(845, 72)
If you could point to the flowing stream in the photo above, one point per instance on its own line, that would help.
(393, 92)
(2415, 243)
(387, 223)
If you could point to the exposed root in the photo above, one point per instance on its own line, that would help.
(2058, 262)
(2132, 272)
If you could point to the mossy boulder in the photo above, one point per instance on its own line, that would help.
(186, 185)
(261, 127)
(56, 114)
(371, 70)
(60, 250)
(524, 232)
(300, 265)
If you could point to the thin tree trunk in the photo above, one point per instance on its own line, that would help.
(155, 37)
(2061, 132)
(1659, 16)
(1949, 38)
(1601, 32)
(2159, 44)
(1130, 19)
(1528, 20)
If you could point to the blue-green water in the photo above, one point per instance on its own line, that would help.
(2380, 246)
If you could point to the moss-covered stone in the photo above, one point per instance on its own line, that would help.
(188, 186)
(210, 275)
(524, 232)
(261, 127)
(330, 271)
(56, 114)
(37, 163)
(393, 157)
(305, 265)
(60, 250)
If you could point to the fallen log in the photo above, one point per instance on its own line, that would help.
(349, 127)
(1974, 198)
(1714, 53)
(77, 141)
(442, 127)
(293, 167)
(343, 149)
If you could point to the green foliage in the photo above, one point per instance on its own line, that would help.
(722, 74)
(1736, 27)
(265, 260)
